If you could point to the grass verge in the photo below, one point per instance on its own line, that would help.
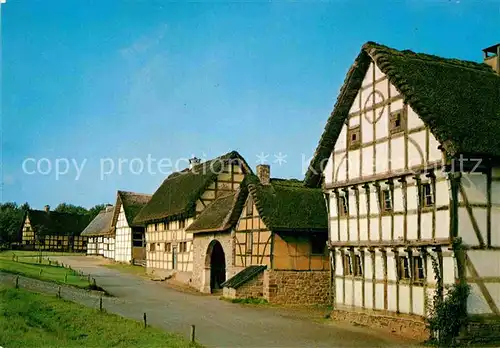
(35, 320)
(126, 268)
(249, 300)
(28, 266)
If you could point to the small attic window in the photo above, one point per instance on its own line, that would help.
(398, 121)
(354, 137)
(249, 206)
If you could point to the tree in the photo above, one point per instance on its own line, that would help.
(11, 219)
(70, 208)
(92, 212)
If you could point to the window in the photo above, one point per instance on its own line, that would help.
(137, 243)
(182, 224)
(397, 121)
(347, 264)
(427, 196)
(354, 137)
(152, 247)
(358, 266)
(84, 244)
(418, 269)
(386, 200)
(250, 206)
(404, 268)
(249, 242)
(167, 225)
(318, 244)
(168, 247)
(343, 207)
(59, 243)
(156, 227)
(182, 247)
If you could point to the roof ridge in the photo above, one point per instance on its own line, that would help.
(134, 193)
(57, 212)
(456, 62)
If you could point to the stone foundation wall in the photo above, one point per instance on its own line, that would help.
(201, 270)
(297, 287)
(251, 289)
(408, 326)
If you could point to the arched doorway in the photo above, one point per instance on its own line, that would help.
(216, 261)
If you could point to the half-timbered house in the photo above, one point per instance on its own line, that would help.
(409, 164)
(100, 241)
(177, 203)
(54, 231)
(280, 243)
(129, 237)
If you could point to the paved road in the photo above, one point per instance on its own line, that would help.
(220, 323)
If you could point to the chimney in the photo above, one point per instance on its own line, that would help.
(264, 174)
(193, 161)
(492, 57)
(47, 208)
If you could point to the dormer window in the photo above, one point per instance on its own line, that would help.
(397, 121)
(354, 137)
(427, 195)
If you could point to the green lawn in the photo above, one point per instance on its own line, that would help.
(28, 266)
(34, 320)
(23, 253)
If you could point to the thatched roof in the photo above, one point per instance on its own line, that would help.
(54, 223)
(287, 205)
(132, 203)
(451, 96)
(177, 195)
(101, 225)
(223, 213)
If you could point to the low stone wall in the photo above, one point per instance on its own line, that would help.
(297, 287)
(251, 289)
(481, 331)
(408, 326)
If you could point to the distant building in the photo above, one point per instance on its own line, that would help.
(99, 233)
(54, 231)
(129, 238)
(279, 242)
(177, 203)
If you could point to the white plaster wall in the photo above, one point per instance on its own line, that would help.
(123, 238)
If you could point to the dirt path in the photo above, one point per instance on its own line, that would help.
(220, 323)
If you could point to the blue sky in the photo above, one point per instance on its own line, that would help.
(108, 79)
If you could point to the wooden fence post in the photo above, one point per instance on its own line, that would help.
(145, 321)
(100, 303)
(17, 282)
(193, 331)
(66, 277)
(59, 292)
